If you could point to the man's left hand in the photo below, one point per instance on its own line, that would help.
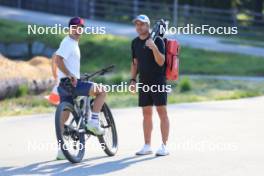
(150, 43)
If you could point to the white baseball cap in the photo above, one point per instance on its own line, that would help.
(143, 18)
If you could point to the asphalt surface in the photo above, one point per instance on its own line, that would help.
(222, 138)
(194, 41)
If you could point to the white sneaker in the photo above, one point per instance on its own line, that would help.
(95, 127)
(60, 155)
(162, 151)
(146, 150)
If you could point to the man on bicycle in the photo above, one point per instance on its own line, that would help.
(148, 59)
(67, 58)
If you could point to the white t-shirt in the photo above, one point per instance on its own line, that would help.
(70, 51)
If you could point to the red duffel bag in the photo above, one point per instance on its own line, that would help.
(172, 59)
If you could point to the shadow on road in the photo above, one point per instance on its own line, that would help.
(85, 168)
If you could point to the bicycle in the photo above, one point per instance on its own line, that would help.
(72, 135)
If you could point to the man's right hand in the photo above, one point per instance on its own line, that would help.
(133, 86)
(73, 79)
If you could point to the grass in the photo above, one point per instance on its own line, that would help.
(199, 90)
(102, 50)
(241, 41)
(196, 61)
(29, 104)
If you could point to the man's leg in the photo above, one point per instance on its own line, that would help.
(65, 114)
(147, 128)
(99, 92)
(147, 123)
(164, 123)
(64, 117)
(164, 128)
(94, 122)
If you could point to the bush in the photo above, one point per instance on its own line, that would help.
(22, 90)
(185, 85)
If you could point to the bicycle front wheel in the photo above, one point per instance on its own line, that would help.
(71, 142)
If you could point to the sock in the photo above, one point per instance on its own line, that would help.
(95, 116)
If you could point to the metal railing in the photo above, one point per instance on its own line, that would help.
(125, 11)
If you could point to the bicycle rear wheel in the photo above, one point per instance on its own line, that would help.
(72, 143)
(109, 141)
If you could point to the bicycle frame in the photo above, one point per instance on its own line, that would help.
(82, 104)
(82, 108)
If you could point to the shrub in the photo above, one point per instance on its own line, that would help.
(22, 90)
(185, 85)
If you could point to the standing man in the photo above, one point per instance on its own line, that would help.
(148, 60)
(67, 59)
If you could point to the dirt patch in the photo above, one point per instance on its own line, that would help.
(38, 68)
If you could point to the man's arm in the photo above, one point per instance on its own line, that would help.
(133, 74)
(61, 65)
(133, 69)
(54, 67)
(159, 57)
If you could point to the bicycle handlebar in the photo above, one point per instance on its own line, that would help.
(87, 76)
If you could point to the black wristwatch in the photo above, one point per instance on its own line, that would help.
(133, 80)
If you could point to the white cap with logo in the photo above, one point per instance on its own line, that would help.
(143, 18)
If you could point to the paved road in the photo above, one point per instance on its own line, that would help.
(222, 138)
(194, 41)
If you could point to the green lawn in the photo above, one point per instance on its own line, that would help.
(101, 50)
(186, 90)
(243, 41)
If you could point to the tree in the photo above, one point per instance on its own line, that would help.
(258, 8)
(223, 4)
